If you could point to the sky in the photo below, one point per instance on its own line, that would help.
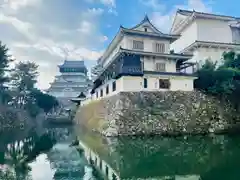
(48, 31)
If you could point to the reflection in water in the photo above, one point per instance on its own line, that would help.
(183, 158)
(47, 157)
(18, 154)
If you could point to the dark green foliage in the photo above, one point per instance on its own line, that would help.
(25, 76)
(5, 60)
(222, 81)
(17, 88)
(44, 101)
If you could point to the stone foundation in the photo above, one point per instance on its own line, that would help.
(163, 113)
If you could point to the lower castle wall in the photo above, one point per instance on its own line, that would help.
(170, 112)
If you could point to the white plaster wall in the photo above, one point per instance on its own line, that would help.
(149, 43)
(109, 83)
(215, 54)
(181, 84)
(150, 64)
(177, 83)
(142, 27)
(132, 83)
(113, 53)
(136, 84)
(119, 88)
(213, 30)
(188, 36)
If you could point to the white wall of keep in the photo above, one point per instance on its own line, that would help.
(215, 54)
(119, 88)
(113, 53)
(150, 63)
(213, 30)
(136, 84)
(149, 43)
(127, 43)
(182, 84)
(188, 36)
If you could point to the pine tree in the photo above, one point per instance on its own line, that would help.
(5, 60)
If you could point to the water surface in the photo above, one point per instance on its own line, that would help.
(43, 157)
(182, 158)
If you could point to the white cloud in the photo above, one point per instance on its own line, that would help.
(103, 38)
(113, 11)
(22, 27)
(14, 5)
(85, 27)
(109, 3)
(95, 11)
(154, 4)
(41, 34)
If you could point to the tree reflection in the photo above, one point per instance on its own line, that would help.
(20, 153)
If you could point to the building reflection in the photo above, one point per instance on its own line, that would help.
(183, 158)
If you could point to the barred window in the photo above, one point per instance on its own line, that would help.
(138, 45)
(164, 83)
(160, 47)
(161, 67)
(107, 89)
(114, 86)
(145, 84)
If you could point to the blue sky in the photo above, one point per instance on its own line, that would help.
(45, 31)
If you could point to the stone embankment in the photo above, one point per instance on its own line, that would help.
(161, 113)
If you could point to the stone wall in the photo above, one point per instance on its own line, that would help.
(165, 113)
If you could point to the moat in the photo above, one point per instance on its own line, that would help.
(49, 156)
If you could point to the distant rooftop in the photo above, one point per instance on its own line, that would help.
(71, 64)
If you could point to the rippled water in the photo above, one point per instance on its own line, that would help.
(45, 157)
(49, 157)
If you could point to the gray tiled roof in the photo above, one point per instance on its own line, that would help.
(73, 64)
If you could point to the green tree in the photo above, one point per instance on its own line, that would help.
(222, 81)
(24, 78)
(206, 78)
(45, 101)
(5, 60)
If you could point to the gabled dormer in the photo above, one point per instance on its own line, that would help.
(179, 19)
(146, 26)
(144, 36)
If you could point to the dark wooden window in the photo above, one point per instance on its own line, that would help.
(164, 83)
(107, 89)
(101, 93)
(106, 171)
(114, 86)
(145, 84)
(100, 165)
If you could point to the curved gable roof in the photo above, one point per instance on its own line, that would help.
(146, 22)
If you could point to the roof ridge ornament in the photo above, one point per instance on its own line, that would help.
(146, 18)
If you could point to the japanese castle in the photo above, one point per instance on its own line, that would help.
(72, 81)
(205, 35)
(139, 59)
